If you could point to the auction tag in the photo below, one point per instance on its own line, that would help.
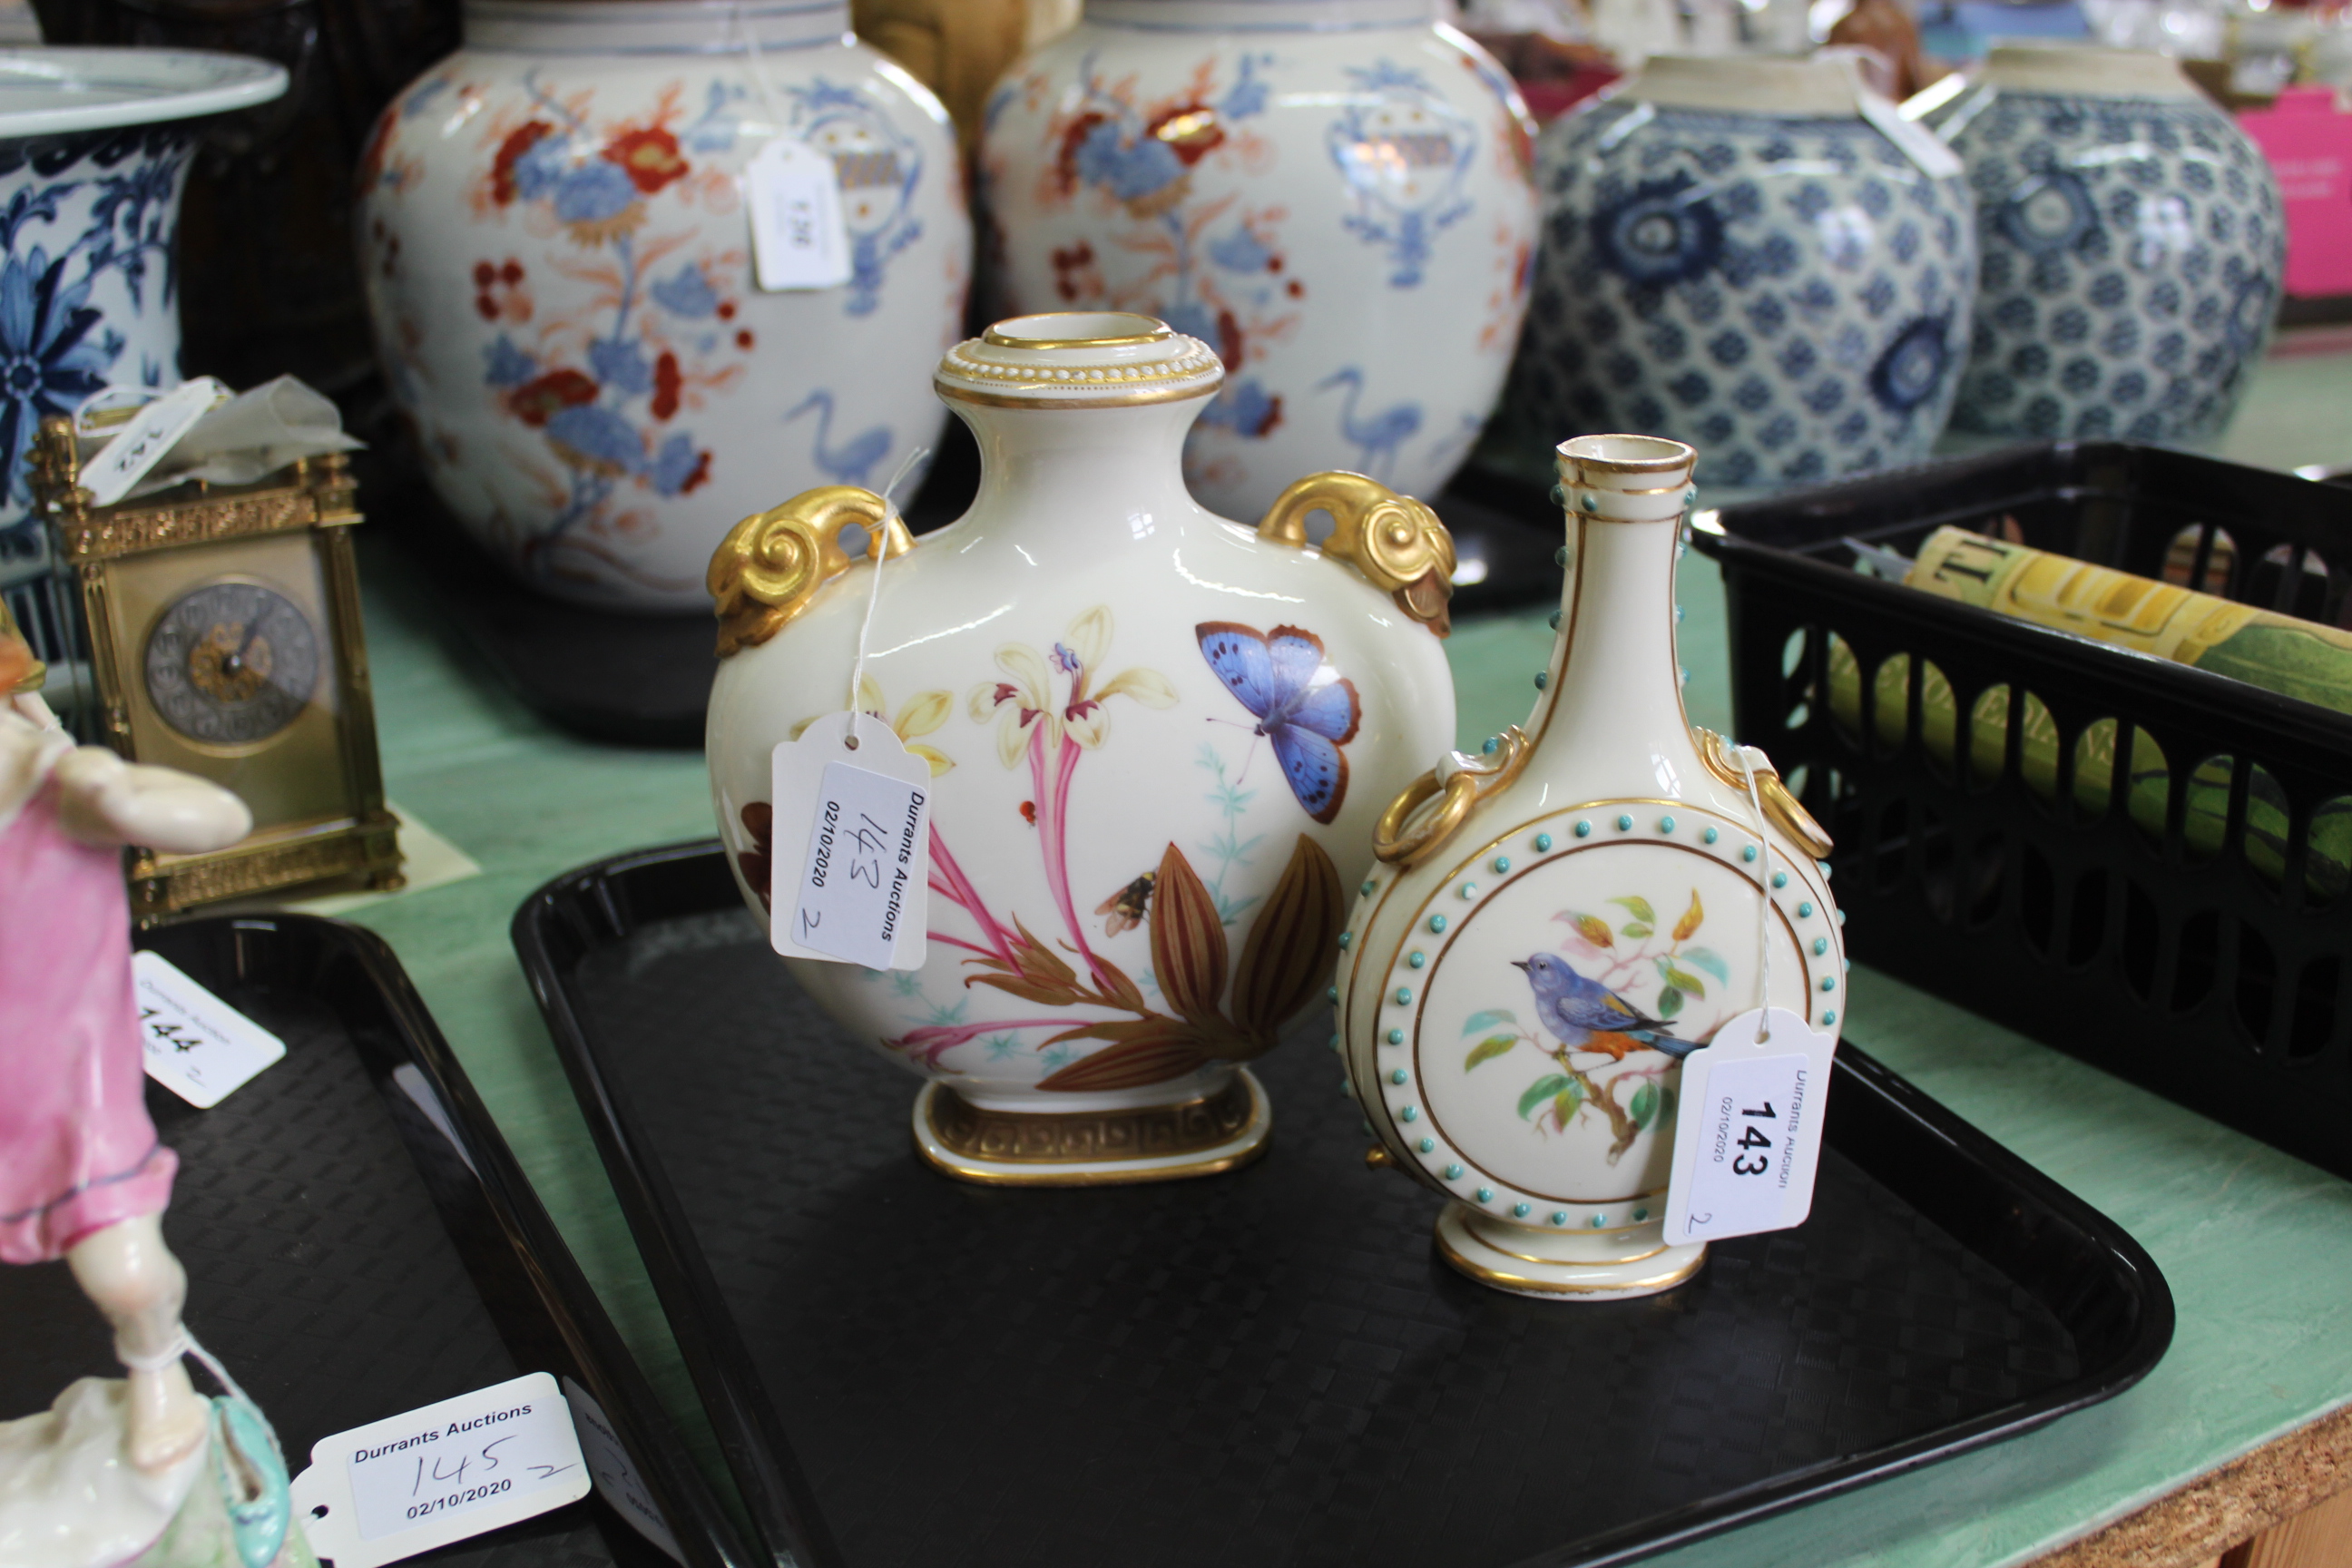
(1926, 150)
(1749, 1138)
(198, 1046)
(616, 1479)
(407, 1484)
(145, 442)
(799, 239)
(860, 889)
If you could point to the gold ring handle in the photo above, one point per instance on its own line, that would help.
(1394, 540)
(1471, 781)
(770, 566)
(1781, 808)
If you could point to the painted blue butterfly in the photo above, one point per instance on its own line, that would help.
(1303, 706)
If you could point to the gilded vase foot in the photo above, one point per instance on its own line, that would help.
(1587, 1266)
(1220, 1131)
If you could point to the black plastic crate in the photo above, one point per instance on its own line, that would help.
(2184, 928)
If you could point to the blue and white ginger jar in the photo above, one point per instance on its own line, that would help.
(2133, 243)
(1734, 256)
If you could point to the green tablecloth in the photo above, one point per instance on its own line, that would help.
(2257, 1245)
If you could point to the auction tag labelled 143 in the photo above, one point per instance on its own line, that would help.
(852, 845)
(1749, 1137)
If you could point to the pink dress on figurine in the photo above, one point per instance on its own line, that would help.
(78, 1152)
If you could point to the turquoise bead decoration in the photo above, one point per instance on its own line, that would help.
(1543, 842)
(1485, 1194)
(1396, 1037)
(1820, 945)
(1747, 852)
(1584, 830)
(1555, 620)
(1560, 1216)
(1429, 1145)
(1335, 1041)
(1598, 1221)
(1502, 863)
(1829, 1015)
(1469, 889)
(1624, 822)
(1711, 835)
(1400, 1076)
(1543, 678)
(1437, 922)
(1640, 1214)
(1779, 879)
(1453, 1173)
(1829, 982)
(1416, 960)
(1805, 910)
(1331, 995)
(1410, 1113)
(1521, 1211)
(1404, 995)
(1560, 556)
(1367, 889)
(1346, 937)
(1494, 744)
(1665, 824)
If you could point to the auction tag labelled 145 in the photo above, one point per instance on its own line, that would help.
(409, 1483)
(851, 851)
(1749, 1138)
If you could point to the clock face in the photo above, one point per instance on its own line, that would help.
(232, 663)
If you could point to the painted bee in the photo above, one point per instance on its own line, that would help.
(1126, 908)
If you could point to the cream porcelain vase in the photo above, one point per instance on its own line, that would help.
(1334, 194)
(1554, 924)
(1158, 742)
(557, 257)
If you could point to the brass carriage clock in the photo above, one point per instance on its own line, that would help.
(225, 641)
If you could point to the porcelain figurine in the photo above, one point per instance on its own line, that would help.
(94, 152)
(1332, 193)
(1554, 924)
(1734, 255)
(114, 1473)
(2133, 245)
(558, 260)
(1159, 741)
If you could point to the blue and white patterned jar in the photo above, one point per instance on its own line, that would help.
(558, 263)
(1734, 256)
(94, 151)
(2133, 241)
(1334, 194)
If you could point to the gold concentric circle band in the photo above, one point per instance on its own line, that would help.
(1136, 399)
(1487, 1275)
(1128, 340)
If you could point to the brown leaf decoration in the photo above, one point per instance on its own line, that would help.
(1689, 923)
(1287, 960)
(1039, 964)
(1124, 991)
(1187, 941)
(1160, 1050)
(1028, 991)
(1593, 929)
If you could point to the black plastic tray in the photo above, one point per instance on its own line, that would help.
(645, 680)
(350, 1257)
(2203, 978)
(1271, 1366)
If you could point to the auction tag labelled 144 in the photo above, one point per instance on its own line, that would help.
(1749, 1138)
(409, 1483)
(852, 845)
(197, 1046)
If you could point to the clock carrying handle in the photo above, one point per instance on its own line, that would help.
(770, 566)
(1411, 830)
(1395, 542)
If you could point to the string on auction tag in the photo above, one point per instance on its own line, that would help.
(1763, 901)
(877, 546)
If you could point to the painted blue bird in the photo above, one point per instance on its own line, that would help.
(1586, 1015)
